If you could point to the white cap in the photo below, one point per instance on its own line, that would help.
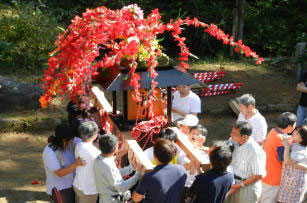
(189, 120)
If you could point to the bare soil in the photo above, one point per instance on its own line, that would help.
(20, 152)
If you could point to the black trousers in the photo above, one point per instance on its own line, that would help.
(67, 195)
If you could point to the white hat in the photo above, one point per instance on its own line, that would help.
(189, 120)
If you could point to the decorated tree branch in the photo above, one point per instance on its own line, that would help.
(103, 38)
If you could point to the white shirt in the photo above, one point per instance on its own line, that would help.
(260, 127)
(181, 156)
(299, 153)
(109, 181)
(188, 104)
(84, 179)
(51, 164)
(248, 159)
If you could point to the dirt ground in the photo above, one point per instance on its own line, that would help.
(20, 152)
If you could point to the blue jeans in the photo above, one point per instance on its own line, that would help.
(301, 115)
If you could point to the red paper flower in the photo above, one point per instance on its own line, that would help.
(127, 36)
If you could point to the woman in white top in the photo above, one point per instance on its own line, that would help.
(60, 163)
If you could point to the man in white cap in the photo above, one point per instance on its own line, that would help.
(189, 121)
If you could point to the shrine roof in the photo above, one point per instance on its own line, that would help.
(115, 79)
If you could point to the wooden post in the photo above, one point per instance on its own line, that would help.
(114, 101)
(125, 106)
(169, 104)
(300, 48)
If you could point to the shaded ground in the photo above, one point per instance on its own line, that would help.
(20, 152)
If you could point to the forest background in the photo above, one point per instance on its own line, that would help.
(28, 28)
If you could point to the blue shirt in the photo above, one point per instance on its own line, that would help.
(164, 184)
(211, 187)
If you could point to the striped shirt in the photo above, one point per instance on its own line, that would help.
(260, 127)
(248, 160)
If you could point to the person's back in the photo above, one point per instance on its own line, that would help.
(164, 184)
(166, 181)
(84, 179)
(212, 186)
(84, 183)
(273, 165)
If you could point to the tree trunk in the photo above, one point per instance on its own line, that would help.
(234, 26)
(238, 23)
(241, 19)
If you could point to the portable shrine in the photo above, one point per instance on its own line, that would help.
(116, 79)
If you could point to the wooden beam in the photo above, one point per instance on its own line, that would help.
(184, 143)
(140, 156)
(102, 103)
(114, 102)
(100, 100)
(125, 105)
(234, 105)
(138, 153)
(169, 104)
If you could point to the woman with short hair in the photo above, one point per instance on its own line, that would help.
(60, 163)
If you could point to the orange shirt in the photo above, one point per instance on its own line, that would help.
(273, 166)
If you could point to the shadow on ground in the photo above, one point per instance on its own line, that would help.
(23, 196)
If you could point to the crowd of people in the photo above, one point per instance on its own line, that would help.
(81, 161)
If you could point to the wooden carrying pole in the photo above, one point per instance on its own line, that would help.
(184, 143)
(235, 106)
(140, 156)
(102, 103)
(169, 104)
(100, 100)
(138, 153)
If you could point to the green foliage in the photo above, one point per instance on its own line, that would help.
(27, 34)
(272, 27)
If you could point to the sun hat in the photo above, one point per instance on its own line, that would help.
(189, 120)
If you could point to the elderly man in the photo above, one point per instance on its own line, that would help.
(273, 148)
(249, 113)
(185, 102)
(248, 162)
(84, 183)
